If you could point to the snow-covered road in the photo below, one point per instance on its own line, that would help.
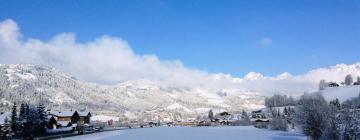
(193, 133)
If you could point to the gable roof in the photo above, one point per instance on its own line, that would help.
(84, 113)
(62, 113)
(69, 113)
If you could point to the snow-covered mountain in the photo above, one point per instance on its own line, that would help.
(144, 98)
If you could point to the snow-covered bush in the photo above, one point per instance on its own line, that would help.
(332, 132)
(278, 121)
(243, 121)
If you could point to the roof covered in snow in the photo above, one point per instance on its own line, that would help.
(62, 113)
(69, 113)
(84, 113)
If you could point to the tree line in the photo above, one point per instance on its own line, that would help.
(279, 101)
(320, 119)
(28, 122)
(349, 80)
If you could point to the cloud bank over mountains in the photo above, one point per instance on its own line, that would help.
(110, 60)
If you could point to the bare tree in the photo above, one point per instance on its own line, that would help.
(349, 80)
(322, 84)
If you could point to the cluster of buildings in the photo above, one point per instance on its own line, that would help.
(220, 119)
(66, 119)
(259, 118)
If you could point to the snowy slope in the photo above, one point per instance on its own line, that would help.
(144, 98)
(177, 106)
(34, 84)
(342, 93)
(103, 118)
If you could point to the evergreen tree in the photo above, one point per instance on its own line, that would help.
(290, 117)
(14, 118)
(23, 113)
(211, 115)
(335, 104)
(286, 113)
(32, 119)
(42, 119)
(25, 122)
(279, 101)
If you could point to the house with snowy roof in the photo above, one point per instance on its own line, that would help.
(69, 118)
(223, 118)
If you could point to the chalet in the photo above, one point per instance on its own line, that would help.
(151, 124)
(258, 114)
(67, 118)
(259, 119)
(223, 118)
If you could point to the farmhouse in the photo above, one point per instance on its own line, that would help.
(68, 118)
(259, 119)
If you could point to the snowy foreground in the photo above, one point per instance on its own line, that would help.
(193, 133)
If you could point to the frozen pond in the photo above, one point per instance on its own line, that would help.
(193, 133)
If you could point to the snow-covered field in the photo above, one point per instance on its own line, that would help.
(343, 93)
(193, 133)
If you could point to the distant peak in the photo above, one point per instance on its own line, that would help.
(253, 76)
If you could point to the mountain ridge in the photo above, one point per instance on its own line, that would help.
(144, 98)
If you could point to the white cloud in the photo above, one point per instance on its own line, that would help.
(109, 60)
(266, 41)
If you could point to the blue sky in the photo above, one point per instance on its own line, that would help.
(233, 37)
